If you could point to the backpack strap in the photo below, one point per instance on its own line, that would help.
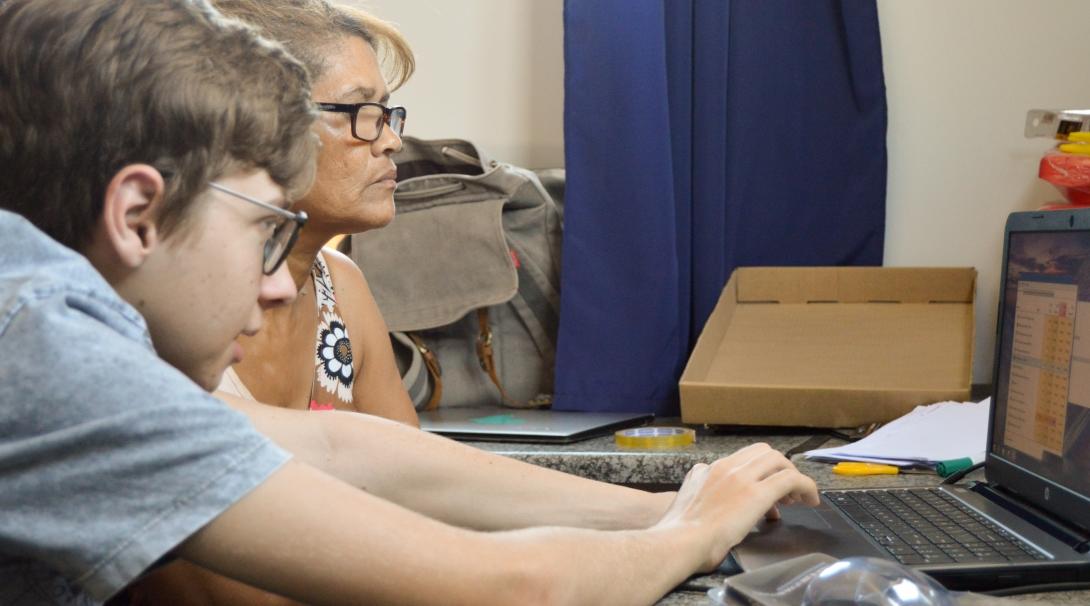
(535, 303)
(432, 364)
(488, 364)
(420, 373)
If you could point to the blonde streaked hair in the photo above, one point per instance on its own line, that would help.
(310, 30)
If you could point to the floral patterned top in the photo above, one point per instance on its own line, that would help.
(333, 372)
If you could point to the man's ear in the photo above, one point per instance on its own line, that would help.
(131, 204)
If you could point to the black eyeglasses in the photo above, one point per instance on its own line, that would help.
(368, 118)
(284, 234)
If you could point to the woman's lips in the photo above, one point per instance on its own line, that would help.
(388, 179)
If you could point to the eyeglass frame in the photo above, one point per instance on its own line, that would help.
(353, 110)
(299, 218)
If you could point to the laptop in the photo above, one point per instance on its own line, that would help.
(1027, 524)
(535, 426)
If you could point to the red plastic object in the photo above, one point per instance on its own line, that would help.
(1069, 173)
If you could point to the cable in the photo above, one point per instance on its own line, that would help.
(958, 475)
(1041, 588)
(696, 587)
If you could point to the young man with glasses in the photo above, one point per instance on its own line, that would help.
(148, 152)
(140, 240)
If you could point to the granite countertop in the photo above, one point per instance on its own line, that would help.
(601, 459)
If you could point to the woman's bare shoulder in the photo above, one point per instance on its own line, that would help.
(347, 276)
(352, 292)
(341, 265)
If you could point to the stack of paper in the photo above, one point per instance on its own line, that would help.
(926, 436)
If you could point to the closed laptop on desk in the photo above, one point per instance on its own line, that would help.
(511, 425)
(1027, 524)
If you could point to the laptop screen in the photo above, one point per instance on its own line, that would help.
(1041, 420)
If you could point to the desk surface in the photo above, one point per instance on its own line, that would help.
(601, 459)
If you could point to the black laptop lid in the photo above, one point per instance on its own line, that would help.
(1039, 436)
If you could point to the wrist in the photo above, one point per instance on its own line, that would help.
(656, 506)
(643, 510)
(691, 543)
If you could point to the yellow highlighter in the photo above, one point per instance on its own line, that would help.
(1075, 148)
(852, 468)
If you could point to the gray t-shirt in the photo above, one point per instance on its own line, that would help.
(109, 457)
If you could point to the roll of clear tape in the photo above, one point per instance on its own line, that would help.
(655, 438)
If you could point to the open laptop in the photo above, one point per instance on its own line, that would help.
(516, 425)
(1028, 523)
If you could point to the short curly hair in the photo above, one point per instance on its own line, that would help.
(89, 87)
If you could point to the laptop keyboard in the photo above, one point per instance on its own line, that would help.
(928, 526)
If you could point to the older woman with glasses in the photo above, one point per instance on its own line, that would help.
(330, 348)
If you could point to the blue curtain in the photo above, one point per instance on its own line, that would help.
(704, 135)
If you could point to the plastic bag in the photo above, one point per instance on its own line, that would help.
(820, 580)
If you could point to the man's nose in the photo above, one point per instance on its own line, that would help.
(277, 289)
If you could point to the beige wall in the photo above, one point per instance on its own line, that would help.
(491, 71)
(959, 78)
(959, 75)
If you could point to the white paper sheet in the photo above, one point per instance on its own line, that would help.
(925, 436)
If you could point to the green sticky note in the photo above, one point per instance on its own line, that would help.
(497, 420)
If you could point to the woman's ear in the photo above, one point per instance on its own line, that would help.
(131, 204)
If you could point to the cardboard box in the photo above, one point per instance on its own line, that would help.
(831, 346)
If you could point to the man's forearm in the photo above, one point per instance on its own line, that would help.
(444, 479)
(375, 552)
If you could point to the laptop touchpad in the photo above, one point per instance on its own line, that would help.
(801, 530)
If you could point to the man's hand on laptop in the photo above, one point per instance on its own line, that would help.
(725, 499)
